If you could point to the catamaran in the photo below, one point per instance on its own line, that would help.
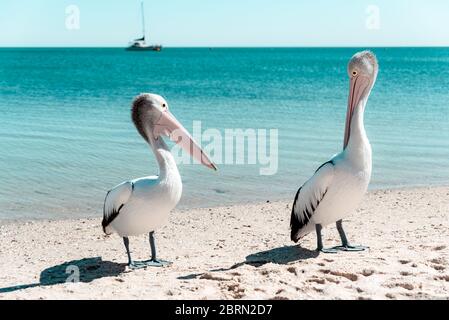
(140, 44)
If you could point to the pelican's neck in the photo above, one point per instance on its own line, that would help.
(166, 162)
(358, 147)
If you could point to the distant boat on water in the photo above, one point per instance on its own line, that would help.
(140, 44)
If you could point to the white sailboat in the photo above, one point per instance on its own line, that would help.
(140, 44)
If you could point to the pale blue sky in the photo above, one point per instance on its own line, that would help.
(226, 23)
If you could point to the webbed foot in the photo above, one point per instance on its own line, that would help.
(157, 263)
(351, 248)
(327, 250)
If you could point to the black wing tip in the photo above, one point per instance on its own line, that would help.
(104, 224)
(108, 217)
(295, 224)
(107, 221)
(294, 238)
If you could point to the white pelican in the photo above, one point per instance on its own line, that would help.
(338, 186)
(141, 206)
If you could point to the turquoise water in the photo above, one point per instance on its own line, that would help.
(66, 135)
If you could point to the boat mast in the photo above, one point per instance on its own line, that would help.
(143, 21)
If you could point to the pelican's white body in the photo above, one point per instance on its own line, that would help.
(341, 183)
(146, 201)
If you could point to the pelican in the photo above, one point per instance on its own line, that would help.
(142, 205)
(338, 185)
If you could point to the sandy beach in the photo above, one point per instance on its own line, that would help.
(239, 252)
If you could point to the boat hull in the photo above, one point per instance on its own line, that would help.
(149, 48)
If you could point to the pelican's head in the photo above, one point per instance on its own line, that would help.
(364, 64)
(152, 118)
(362, 71)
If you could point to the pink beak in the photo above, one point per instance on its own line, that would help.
(169, 126)
(357, 88)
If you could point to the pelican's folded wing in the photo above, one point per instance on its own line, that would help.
(114, 202)
(308, 198)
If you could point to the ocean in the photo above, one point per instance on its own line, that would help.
(66, 136)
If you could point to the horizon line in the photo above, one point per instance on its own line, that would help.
(226, 47)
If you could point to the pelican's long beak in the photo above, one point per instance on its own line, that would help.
(358, 85)
(168, 125)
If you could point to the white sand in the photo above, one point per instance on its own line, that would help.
(240, 252)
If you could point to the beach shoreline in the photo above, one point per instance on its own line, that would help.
(186, 207)
(239, 252)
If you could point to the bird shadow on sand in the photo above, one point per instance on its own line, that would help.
(84, 270)
(283, 255)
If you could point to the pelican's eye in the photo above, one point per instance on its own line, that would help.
(354, 73)
(164, 106)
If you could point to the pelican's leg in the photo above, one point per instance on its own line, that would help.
(126, 242)
(345, 246)
(155, 262)
(131, 263)
(320, 248)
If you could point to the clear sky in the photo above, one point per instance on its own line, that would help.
(227, 22)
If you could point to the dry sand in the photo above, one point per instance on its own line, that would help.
(240, 252)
